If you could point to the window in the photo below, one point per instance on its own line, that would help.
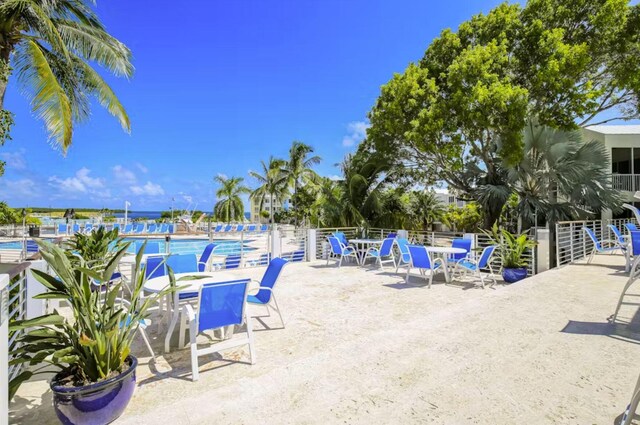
(621, 161)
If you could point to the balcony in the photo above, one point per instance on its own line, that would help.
(626, 182)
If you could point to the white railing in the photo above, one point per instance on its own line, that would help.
(626, 182)
(17, 308)
(573, 243)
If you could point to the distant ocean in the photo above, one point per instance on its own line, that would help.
(153, 214)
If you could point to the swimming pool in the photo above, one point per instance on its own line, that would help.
(192, 246)
(17, 244)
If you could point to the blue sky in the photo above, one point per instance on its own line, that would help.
(220, 85)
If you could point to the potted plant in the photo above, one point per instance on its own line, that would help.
(92, 350)
(512, 248)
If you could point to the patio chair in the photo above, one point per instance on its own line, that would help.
(341, 250)
(630, 227)
(635, 252)
(204, 263)
(385, 251)
(127, 228)
(598, 246)
(155, 267)
(139, 228)
(264, 228)
(218, 228)
(219, 305)
(171, 228)
(232, 261)
(266, 296)
(405, 258)
(182, 263)
(240, 228)
(116, 226)
(470, 264)
(263, 260)
(251, 228)
(621, 241)
(152, 228)
(342, 238)
(630, 411)
(421, 260)
(149, 248)
(75, 228)
(463, 243)
(392, 235)
(227, 228)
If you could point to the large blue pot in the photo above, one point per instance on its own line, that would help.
(95, 404)
(514, 275)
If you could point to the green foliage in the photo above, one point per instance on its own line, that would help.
(53, 45)
(512, 247)
(8, 215)
(94, 248)
(97, 341)
(230, 206)
(426, 209)
(460, 113)
(273, 183)
(298, 173)
(463, 219)
(33, 220)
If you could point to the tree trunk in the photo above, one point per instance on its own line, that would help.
(5, 54)
(271, 208)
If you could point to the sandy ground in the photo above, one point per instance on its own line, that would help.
(360, 347)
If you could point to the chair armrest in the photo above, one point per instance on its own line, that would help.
(188, 311)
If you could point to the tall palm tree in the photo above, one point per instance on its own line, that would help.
(230, 206)
(51, 44)
(426, 209)
(298, 168)
(272, 183)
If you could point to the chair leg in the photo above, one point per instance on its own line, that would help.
(183, 327)
(481, 278)
(275, 301)
(431, 277)
(146, 341)
(593, 253)
(252, 350)
(626, 287)
(194, 353)
(340, 262)
(406, 278)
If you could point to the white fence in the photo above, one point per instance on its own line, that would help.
(573, 243)
(627, 182)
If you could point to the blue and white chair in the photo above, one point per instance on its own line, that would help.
(151, 228)
(263, 260)
(635, 252)
(264, 228)
(182, 263)
(631, 227)
(421, 260)
(204, 263)
(138, 228)
(116, 226)
(149, 248)
(404, 259)
(218, 228)
(76, 228)
(240, 228)
(462, 243)
(265, 295)
(384, 254)
(227, 228)
(219, 306)
(338, 249)
(475, 265)
(127, 229)
(251, 228)
(599, 247)
(232, 261)
(171, 228)
(62, 229)
(88, 228)
(342, 238)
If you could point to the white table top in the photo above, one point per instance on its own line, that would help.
(157, 284)
(366, 241)
(446, 250)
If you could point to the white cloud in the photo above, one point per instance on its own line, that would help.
(15, 160)
(149, 189)
(335, 177)
(142, 168)
(223, 176)
(124, 175)
(356, 132)
(80, 182)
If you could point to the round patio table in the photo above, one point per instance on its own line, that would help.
(363, 245)
(444, 252)
(157, 284)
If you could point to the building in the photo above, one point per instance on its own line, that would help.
(266, 206)
(623, 144)
(447, 198)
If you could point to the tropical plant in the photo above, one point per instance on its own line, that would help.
(297, 170)
(52, 46)
(467, 218)
(272, 183)
(95, 343)
(512, 247)
(230, 206)
(426, 209)
(95, 248)
(8, 215)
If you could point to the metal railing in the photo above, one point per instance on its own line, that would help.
(573, 243)
(17, 311)
(627, 182)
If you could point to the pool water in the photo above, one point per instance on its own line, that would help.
(193, 246)
(17, 244)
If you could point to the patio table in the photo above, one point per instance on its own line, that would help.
(363, 245)
(157, 284)
(444, 253)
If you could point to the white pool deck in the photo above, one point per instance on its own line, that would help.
(361, 347)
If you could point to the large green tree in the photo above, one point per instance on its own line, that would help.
(298, 172)
(272, 183)
(52, 45)
(229, 206)
(459, 113)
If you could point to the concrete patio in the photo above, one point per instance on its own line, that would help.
(360, 346)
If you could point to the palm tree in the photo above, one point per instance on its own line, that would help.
(426, 209)
(298, 168)
(51, 44)
(230, 206)
(273, 183)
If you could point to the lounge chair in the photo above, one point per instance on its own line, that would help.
(62, 229)
(76, 228)
(266, 296)
(295, 256)
(421, 260)
(263, 260)
(164, 228)
(240, 228)
(470, 264)
(251, 228)
(404, 259)
(204, 263)
(385, 251)
(218, 228)
(116, 226)
(138, 228)
(88, 228)
(232, 261)
(341, 250)
(127, 228)
(171, 228)
(264, 228)
(219, 305)
(599, 246)
(227, 228)
(152, 228)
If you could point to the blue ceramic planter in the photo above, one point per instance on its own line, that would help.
(95, 404)
(514, 275)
